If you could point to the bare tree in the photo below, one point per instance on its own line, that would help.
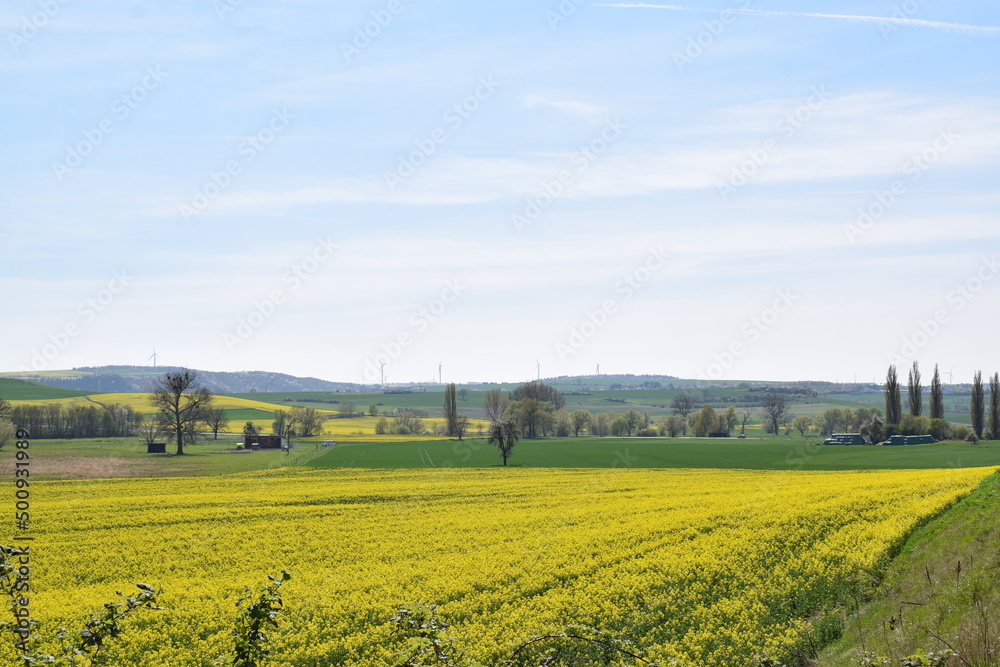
(216, 420)
(937, 396)
(495, 405)
(182, 402)
(149, 432)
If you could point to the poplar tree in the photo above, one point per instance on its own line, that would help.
(937, 396)
(893, 404)
(915, 394)
(977, 404)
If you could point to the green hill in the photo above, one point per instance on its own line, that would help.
(22, 390)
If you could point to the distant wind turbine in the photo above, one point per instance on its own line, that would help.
(538, 367)
(381, 372)
(153, 357)
(439, 372)
(951, 376)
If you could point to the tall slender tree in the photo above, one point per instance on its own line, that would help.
(915, 392)
(937, 396)
(451, 409)
(893, 403)
(977, 404)
(995, 406)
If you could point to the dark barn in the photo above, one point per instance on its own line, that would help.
(264, 442)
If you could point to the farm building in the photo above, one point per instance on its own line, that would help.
(264, 442)
(846, 439)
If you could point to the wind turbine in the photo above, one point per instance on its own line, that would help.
(381, 372)
(598, 370)
(439, 372)
(951, 376)
(538, 367)
(153, 357)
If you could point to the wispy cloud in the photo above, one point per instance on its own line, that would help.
(940, 25)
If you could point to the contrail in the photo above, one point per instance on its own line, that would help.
(941, 25)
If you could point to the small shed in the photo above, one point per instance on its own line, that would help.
(156, 448)
(264, 442)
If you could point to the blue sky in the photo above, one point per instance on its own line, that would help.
(732, 190)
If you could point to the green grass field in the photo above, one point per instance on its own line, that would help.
(773, 454)
(127, 457)
(22, 390)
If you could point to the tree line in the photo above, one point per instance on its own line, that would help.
(985, 425)
(56, 420)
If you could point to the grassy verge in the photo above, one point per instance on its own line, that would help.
(942, 592)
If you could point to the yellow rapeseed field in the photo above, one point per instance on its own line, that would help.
(705, 567)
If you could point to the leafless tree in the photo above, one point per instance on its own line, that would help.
(495, 405)
(216, 420)
(182, 402)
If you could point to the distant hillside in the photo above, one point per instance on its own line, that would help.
(105, 379)
(22, 390)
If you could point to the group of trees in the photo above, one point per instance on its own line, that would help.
(403, 422)
(297, 421)
(56, 420)
(455, 424)
(915, 423)
(8, 434)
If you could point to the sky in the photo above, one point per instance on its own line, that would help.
(486, 191)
